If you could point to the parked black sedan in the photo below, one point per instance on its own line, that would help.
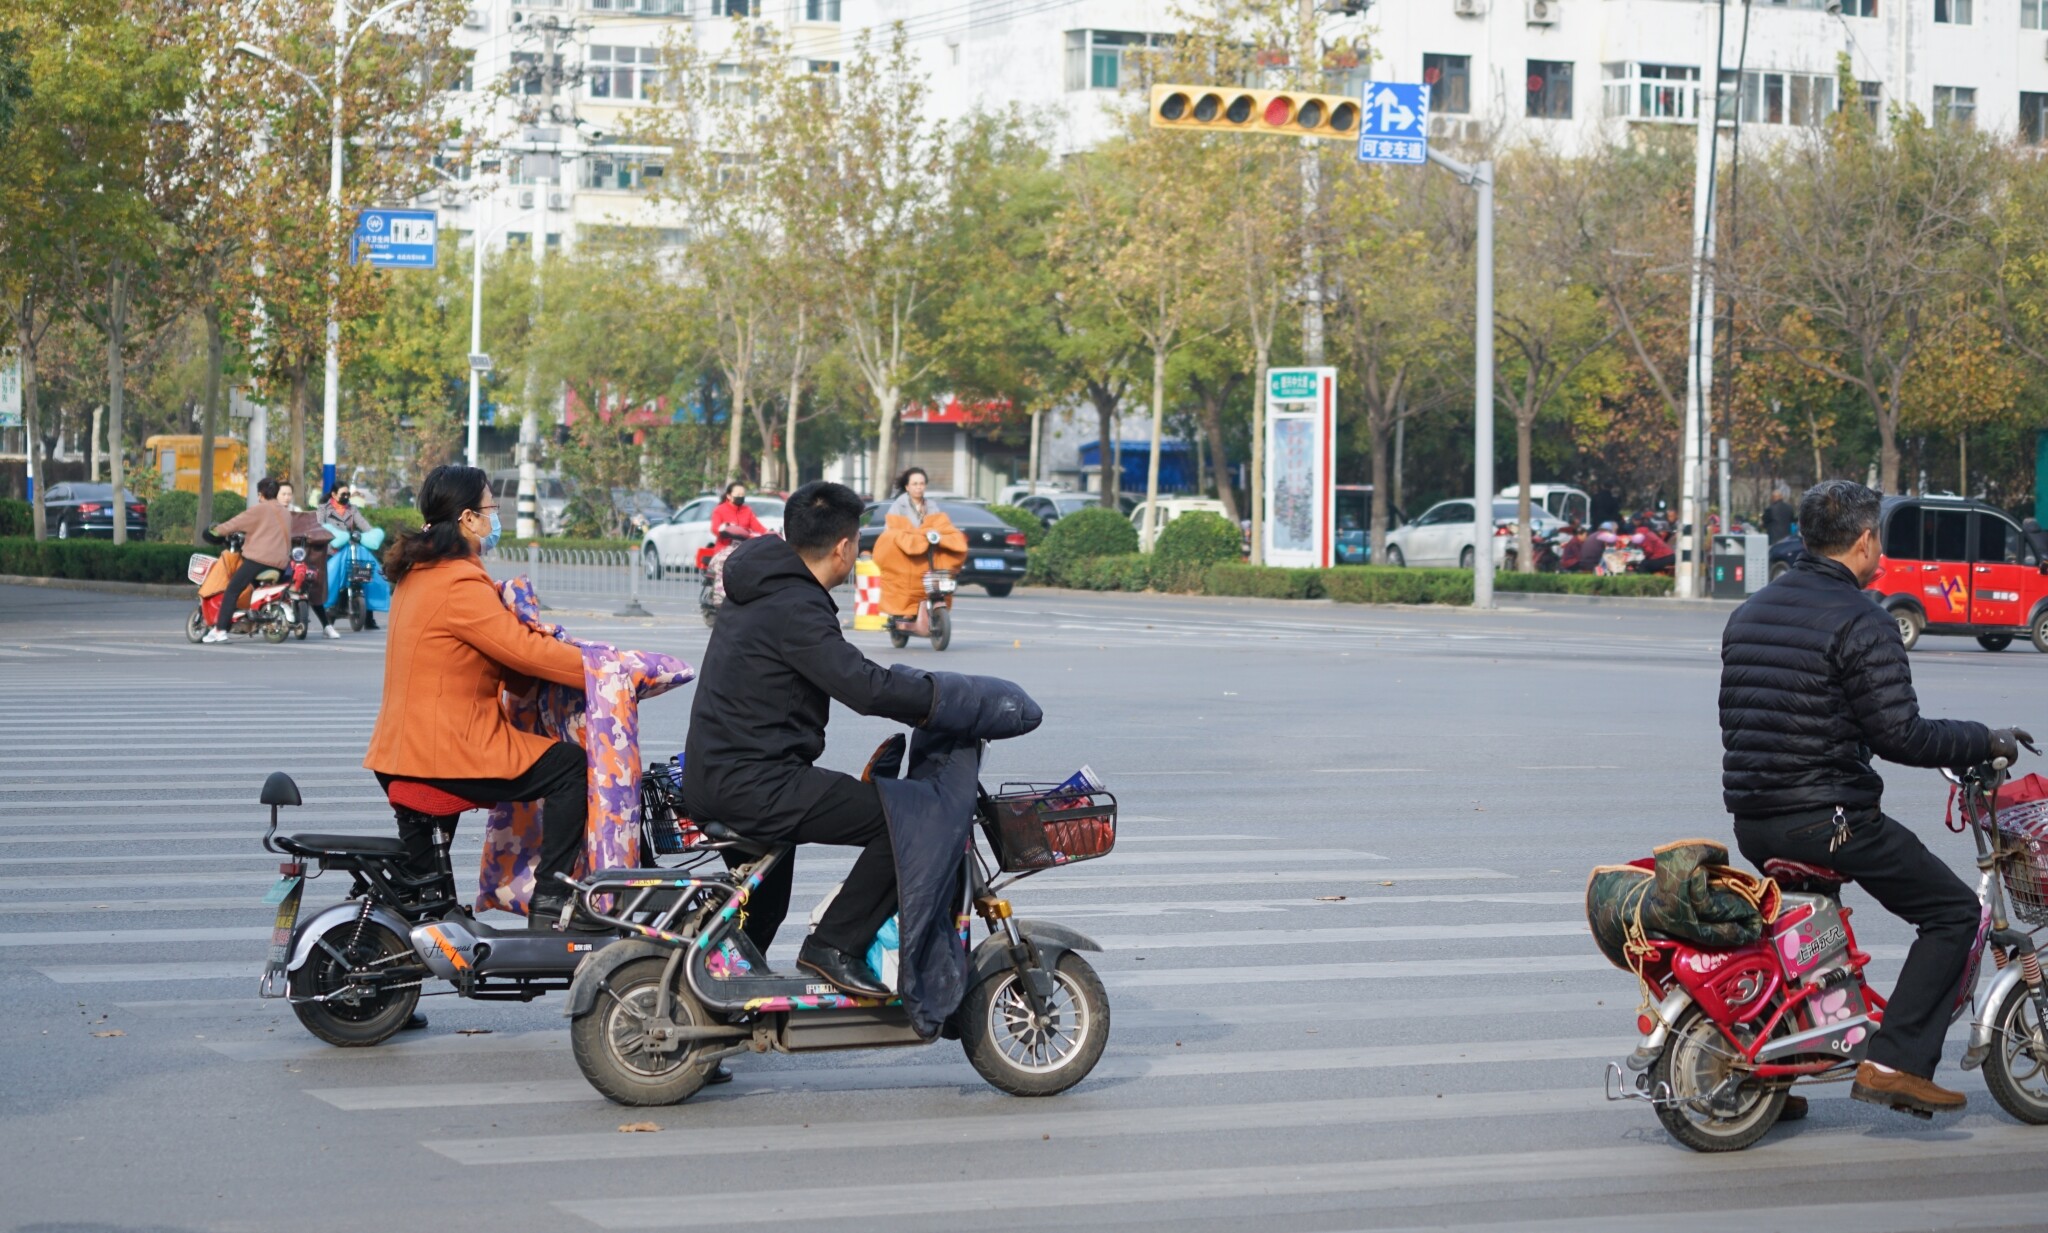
(73, 510)
(995, 549)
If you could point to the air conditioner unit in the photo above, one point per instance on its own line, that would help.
(474, 20)
(1467, 8)
(526, 199)
(1542, 12)
(451, 197)
(1453, 129)
(555, 201)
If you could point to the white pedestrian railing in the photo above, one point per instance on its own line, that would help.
(592, 577)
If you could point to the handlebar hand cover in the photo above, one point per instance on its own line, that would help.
(986, 708)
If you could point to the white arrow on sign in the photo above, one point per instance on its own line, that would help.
(1393, 116)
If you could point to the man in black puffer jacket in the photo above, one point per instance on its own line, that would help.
(1814, 680)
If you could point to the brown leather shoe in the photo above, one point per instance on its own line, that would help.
(1895, 1089)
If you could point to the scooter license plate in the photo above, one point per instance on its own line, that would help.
(995, 563)
(286, 895)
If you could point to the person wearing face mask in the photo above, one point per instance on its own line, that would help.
(340, 515)
(452, 647)
(1814, 680)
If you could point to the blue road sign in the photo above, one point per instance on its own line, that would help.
(1395, 127)
(396, 239)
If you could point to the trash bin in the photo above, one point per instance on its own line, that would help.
(1737, 569)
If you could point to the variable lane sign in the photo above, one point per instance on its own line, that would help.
(396, 239)
(1395, 125)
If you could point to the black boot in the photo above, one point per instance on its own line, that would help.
(545, 910)
(848, 972)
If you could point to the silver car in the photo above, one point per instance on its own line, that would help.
(1442, 536)
(551, 507)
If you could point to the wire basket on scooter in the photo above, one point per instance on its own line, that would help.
(2023, 826)
(663, 815)
(1033, 826)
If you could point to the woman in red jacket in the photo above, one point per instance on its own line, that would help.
(732, 520)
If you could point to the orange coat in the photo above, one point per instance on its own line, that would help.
(451, 645)
(904, 552)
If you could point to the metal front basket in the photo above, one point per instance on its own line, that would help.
(2023, 830)
(1033, 826)
(662, 812)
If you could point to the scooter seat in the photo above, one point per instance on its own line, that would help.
(427, 799)
(350, 845)
(724, 836)
(1796, 874)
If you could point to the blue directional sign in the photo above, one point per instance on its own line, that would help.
(1395, 126)
(395, 239)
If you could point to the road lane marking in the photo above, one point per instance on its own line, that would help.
(1998, 1211)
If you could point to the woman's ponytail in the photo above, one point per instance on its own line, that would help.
(446, 493)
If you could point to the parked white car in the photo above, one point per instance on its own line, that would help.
(1561, 501)
(1171, 508)
(1442, 536)
(670, 548)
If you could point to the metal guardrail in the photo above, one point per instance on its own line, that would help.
(591, 576)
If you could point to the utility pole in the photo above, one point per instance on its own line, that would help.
(1311, 198)
(1479, 176)
(527, 527)
(1699, 368)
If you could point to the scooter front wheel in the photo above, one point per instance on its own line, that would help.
(348, 1017)
(2017, 1070)
(358, 610)
(942, 627)
(1026, 1053)
(613, 1047)
(1695, 1061)
(196, 626)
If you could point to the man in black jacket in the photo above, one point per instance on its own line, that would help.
(1814, 679)
(776, 662)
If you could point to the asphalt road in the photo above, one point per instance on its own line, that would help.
(1343, 933)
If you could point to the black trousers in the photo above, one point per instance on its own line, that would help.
(849, 815)
(244, 575)
(1888, 860)
(558, 780)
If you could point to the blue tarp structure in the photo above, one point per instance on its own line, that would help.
(1176, 464)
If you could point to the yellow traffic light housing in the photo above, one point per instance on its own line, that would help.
(1275, 113)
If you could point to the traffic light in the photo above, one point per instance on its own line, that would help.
(1276, 113)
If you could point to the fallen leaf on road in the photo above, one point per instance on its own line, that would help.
(110, 1032)
(1340, 898)
(472, 1031)
(638, 1128)
(1386, 884)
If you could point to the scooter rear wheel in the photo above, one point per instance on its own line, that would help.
(368, 1020)
(942, 627)
(1023, 1055)
(196, 626)
(2017, 1070)
(358, 610)
(610, 1043)
(1695, 1060)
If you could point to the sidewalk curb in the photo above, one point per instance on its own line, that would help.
(1642, 603)
(1503, 601)
(153, 590)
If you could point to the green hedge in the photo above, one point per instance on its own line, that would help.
(1387, 584)
(16, 517)
(1263, 582)
(172, 514)
(396, 520)
(1189, 545)
(1131, 571)
(1086, 533)
(1584, 584)
(96, 559)
(1022, 519)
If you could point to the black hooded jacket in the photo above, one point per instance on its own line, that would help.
(776, 661)
(1814, 680)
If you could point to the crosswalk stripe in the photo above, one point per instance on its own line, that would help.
(128, 937)
(1179, 1065)
(1064, 1122)
(1897, 1215)
(1050, 883)
(1621, 1168)
(124, 973)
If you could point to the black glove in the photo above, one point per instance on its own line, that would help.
(2006, 743)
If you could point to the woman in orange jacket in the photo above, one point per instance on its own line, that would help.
(917, 537)
(452, 647)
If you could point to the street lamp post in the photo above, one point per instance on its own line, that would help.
(344, 46)
(1480, 177)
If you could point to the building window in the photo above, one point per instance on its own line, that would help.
(621, 172)
(1632, 91)
(1784, 98)
(1096, 59)
(1550, 89)
(678, 8)
(1859, 8)
(1450, 83)
(2033, 117)
(1872, 95)
(1956, 105)
(532, 168)
(731, 8)
(2034, 14)
(623, 74)
(1952, 12)
(821, 10)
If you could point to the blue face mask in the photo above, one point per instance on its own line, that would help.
(491, 540)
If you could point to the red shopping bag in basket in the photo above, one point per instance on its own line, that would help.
(2023, 824)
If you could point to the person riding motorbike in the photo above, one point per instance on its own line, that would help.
(266, 531)
(732, 521)
(1814, 679)
(306, 526)
(915, 538)
(339, 510)
(776, 661)
(451, 650)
